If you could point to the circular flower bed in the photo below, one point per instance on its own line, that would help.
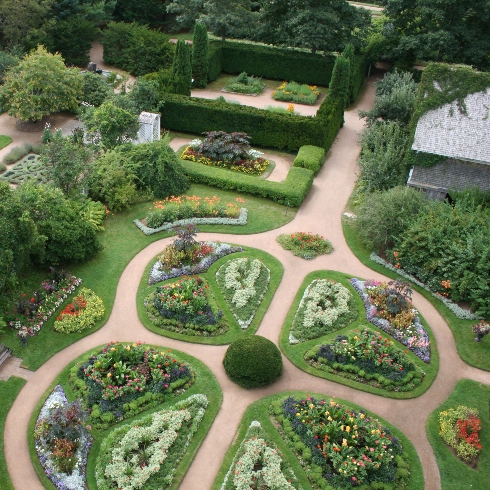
(326, 306)
(367, 357)
(184, 307)
(124, 379)
(305, 245)
(348, 447)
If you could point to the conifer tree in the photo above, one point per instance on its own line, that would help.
(181, 70)
(339, 83)
(348, 53)
(200, 56)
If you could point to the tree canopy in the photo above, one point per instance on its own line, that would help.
(40, 85)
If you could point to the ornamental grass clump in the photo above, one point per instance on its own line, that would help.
(368, 357)
(326, 306)
(187, 207)
(253, 361)
(243, 283)
(459, 428)
(244, 84)
(297, 93)
(125, 379)
(340, 447)
(305, 245)
(226, 150)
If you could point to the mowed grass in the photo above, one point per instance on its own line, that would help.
(456, 475)
(296, 352)
(4, 141)
(122, 240)
(475, 354)
(8, 393)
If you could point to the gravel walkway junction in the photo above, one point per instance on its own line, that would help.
(321, 213)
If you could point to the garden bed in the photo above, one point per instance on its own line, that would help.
(30, 168)
(245, 85)
(294, 92)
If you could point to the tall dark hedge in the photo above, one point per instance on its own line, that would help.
(339, 84)
(253, 361)
(200, 56)
(348, 54)
(215, 53)
(181, 70)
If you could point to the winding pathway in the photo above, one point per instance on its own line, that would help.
(320, 213)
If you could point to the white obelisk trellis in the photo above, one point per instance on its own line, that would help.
(149, 127)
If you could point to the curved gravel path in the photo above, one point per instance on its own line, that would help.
(320, 213)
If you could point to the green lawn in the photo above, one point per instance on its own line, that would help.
(4, 141)
(205, 383)
(259, 411)
(456, 475)
(102, 272)
(234, 332)
(474, 353)
(8, 393)
(295, 352)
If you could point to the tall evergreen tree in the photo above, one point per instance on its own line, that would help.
(200, 56)
(339, 83)
(181, 69)
(348, 53)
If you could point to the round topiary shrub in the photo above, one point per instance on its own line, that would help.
(253, 361)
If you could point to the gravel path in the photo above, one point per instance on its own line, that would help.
(320, 213)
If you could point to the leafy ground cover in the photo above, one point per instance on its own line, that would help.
(217, 298)
(244, 84)
(305, 245)
(203, 382)
(299, 455)
(456, 474)
(300, 353)
(476, 354)
(297, 93)
(8, 393)
(29, 168)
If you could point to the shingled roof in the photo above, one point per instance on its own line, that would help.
(449, 132)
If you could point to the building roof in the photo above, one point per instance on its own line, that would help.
(449, 132)
(450, 174)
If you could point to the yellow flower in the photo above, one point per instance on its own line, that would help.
(344, 442)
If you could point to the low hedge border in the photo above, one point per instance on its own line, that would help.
(241, 220)
(291, 191)
(311, 157)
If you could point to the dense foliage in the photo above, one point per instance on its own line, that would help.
(311, 157)
(200, 59)
(253, 361)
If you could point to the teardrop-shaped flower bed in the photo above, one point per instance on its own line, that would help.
(259, 464)
(326, 306)
(367, 357)
(185, 307)
(243, 283)
(146, 452)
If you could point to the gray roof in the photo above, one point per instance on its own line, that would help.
(451, 174)
(446, 131)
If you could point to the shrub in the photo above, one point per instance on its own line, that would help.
(311, 157)
(305, 245)
(253, 361)
(181, 76)
(95, 89)
(339, 84)
(19, 152)
(200, 61)
(3, 167)
(244, 84)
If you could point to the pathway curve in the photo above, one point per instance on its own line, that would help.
(320, 213)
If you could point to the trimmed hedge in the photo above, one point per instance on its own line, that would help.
(291, 191)
(311, 157)
(266, 128)
(277, 63)
(253, 361)
(215, 53)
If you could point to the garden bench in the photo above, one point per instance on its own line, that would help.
(5, 353)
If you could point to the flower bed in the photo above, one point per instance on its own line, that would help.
(81, 313)
(305, 245)
(244, 84)
(243, 283)
(405, 327)
(209, 253)
(340, 447)
(367, 357)
(124, 379)
(146, 453)
(259, 464)
(181, 208)
(459, 428)
(294, 92)
(62, 441)
(184, 307)
(30, 312)
(326, 306)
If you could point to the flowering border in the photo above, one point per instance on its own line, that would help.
(418, 344)
(62, 481)
(241, 220)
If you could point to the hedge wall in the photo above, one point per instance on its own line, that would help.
(266, 128)
(291, 191)
(277, 63)
(311, 157)
(214, 56)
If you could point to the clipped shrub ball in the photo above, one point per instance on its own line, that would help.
(253, 361)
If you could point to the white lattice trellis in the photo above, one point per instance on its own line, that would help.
(149, 127)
